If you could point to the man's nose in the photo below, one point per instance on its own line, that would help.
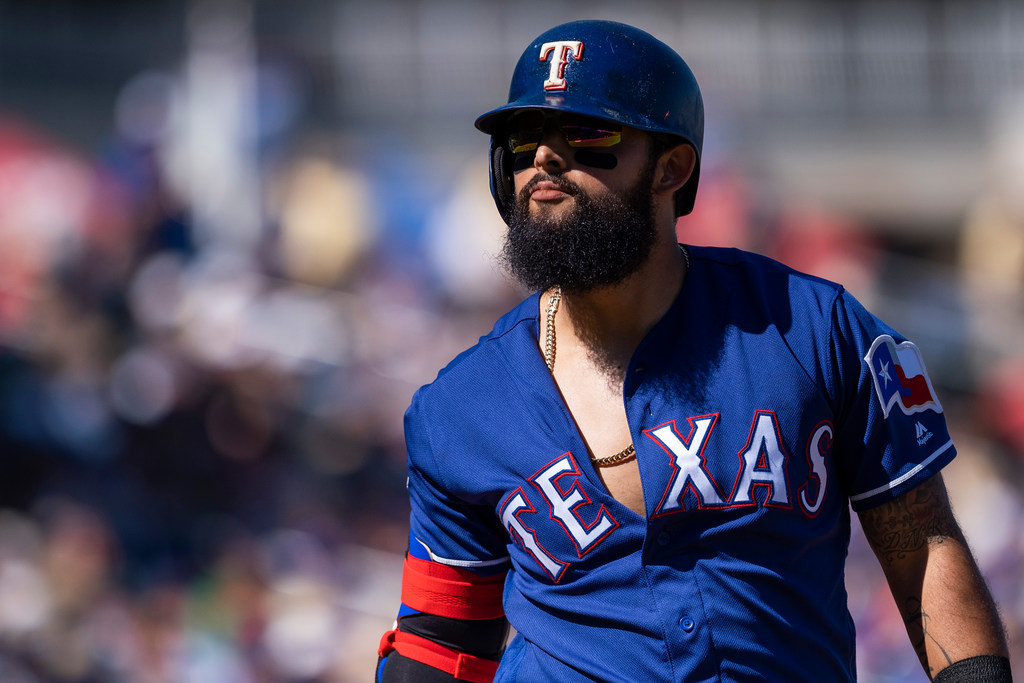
(553, 150)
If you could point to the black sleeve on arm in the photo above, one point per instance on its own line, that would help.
(484, 638)
(399, 669)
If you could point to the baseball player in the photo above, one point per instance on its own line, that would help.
(647, 467)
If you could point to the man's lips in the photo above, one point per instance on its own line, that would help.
(547, 191)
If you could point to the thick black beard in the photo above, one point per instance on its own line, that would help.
(600, 243)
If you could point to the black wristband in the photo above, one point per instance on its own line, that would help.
(485, 638)
(980, 669)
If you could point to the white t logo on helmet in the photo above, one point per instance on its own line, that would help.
(560, 51)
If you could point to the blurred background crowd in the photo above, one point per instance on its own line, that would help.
(236, 235)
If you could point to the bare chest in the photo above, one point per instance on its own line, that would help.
(597, 408)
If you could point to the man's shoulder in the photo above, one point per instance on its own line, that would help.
(749, 269)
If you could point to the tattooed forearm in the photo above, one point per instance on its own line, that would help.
(916, 620)
(941, 595)
(905, 525)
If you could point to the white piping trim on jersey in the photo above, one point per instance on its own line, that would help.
(896, 482)
(461, 563)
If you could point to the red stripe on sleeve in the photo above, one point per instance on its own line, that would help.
(460, 665)
(451, 592)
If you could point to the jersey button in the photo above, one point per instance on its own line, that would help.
(664, 537)
(687, 624)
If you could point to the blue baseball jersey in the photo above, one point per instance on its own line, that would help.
(762, 406)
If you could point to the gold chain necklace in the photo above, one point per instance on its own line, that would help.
(549, 358)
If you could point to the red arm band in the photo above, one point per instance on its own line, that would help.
(450, 592)
(460, 665)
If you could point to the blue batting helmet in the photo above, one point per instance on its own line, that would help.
(607, 70)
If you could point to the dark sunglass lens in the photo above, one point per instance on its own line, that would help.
(587, 136)
(525, 132)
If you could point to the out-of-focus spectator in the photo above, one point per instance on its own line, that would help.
(830, 245)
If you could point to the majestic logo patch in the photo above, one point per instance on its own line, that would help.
(558, 52)
(900, 377)
(922, 434)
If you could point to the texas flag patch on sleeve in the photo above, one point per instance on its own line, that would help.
(900, 377)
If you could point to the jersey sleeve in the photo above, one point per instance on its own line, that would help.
(891, 432)
(451, 623)
(450, 524)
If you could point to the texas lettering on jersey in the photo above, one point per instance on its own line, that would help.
(762, 478)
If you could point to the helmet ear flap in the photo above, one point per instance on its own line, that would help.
(501, 179)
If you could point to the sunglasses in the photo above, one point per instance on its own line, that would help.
(527, 131)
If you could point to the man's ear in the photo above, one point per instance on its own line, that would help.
(674, 168)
